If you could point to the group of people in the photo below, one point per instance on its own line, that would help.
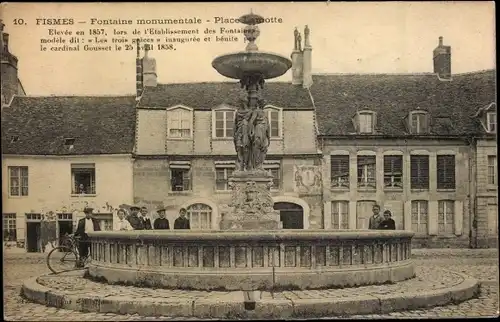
(137, 220)
(384, 222)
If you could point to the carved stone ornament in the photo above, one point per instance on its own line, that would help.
(252, 204)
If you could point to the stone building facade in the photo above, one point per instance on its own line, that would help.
(406, 143)
(61, 154)
(485, 178)
(184, 149)
(421, 145)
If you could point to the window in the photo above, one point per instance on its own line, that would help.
(9, 227)
(492, 170)
(393, 171)
(18, 181)
(419, 213)
(180, 176)
(69, 142)
(419, 123)
(33, 217)
(365, 122)
(419, 172)
(222, 173)
(491, 120)
(340, 215)
(273, 115)
(179, 123)
(224, 124)
(273, 166)
(83, 177)
(366, 171)
(339, 171)
(200, 216)
(65, 216)
(446, 212)
(446, 172)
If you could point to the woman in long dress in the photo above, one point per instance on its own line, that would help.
(260, 137)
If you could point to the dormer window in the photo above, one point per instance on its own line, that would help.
(274, 117)
(223, 123)
(179, 122)
(491, 122)
(69, 142)
(419, 122)
(365, 122)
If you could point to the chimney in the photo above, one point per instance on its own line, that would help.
(297, 59)
(442, 60)
(149, 78)
(138, 71)
(307, 64)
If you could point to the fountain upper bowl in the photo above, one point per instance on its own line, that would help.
(237, 65)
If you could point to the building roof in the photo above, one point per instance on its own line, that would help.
(99, 125)
(451, 104)
(208, 95)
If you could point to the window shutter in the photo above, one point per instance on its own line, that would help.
(339, 170)
(445, 172)
(419, 168)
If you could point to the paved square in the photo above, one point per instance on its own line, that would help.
(481, 264)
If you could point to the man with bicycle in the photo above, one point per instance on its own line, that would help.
(85, 225)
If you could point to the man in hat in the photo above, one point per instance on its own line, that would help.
(86, 225)
(375, 219)
(162, 222)
(134, 219)
(182, 222)
(145, 220)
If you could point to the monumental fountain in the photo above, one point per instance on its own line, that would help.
(250, 252)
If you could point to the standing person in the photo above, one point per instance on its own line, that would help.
(388, 223)
(182, 222)
(375, 219)
(162, 222)
(122, 223)
(145, 220)
(134, 219)
(85, 226)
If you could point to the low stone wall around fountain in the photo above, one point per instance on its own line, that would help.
(233, 260)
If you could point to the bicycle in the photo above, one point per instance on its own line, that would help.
(66, 257)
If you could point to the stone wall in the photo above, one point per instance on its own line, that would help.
(261, 260)
(486, 196)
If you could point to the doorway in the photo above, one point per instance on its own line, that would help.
(65, 227)
(33, 236)
(363, 214)
(291, 215)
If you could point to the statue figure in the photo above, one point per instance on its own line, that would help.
(259, 133)
(240, 136)
(306, 36)
(251, 136)
(298, 40)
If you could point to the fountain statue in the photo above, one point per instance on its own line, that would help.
(251, 201)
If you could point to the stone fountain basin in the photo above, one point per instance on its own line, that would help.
(236, 65)
(242, 260)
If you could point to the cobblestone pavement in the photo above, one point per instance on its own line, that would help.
(428, 278)
(482, 264)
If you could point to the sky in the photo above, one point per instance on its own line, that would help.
(384, 37)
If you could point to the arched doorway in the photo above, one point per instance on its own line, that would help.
(291, 215)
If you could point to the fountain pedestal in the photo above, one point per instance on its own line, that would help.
(252, 204)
